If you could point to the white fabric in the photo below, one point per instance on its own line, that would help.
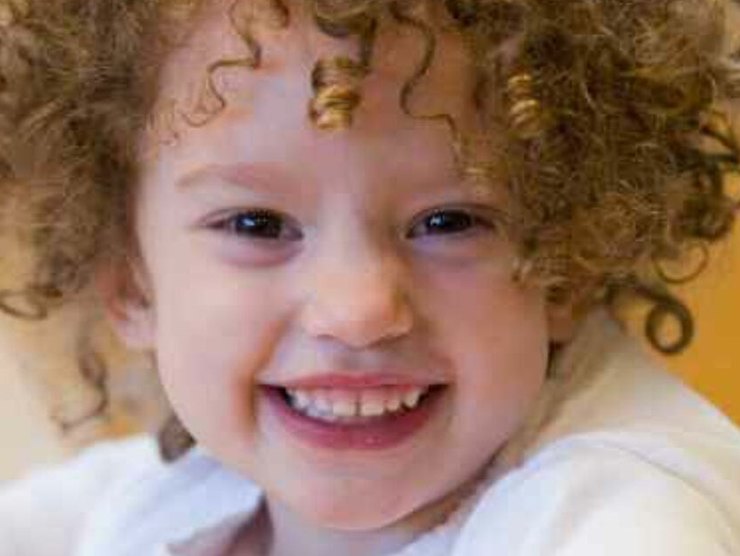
(619, 458)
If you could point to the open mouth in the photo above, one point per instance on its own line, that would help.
(351, 418)
(356, 407)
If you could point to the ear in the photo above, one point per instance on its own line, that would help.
(122, 289)
(561, 321)
(566, 308)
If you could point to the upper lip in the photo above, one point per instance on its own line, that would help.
(355, 380)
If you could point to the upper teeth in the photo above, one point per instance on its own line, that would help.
(331, 404)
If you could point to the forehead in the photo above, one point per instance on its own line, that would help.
(265, 118)
(290, 53)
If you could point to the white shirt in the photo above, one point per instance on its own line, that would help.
(619, 458)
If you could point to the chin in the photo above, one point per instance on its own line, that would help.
(352, 513)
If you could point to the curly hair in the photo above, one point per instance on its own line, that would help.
(610, 113)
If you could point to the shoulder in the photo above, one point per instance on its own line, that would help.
(64, 496)
(167, 504)
(591, 496)
(100, 463)
(85, 475)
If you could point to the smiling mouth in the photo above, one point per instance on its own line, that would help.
(366, 419)
(358, 406)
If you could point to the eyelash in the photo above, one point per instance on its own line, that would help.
(231, 224)
(268, 219)
(472, 221)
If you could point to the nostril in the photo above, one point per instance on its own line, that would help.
(358, 322)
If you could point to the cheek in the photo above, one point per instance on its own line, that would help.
(215, 333)
(215, 328)
(510, 336)
(495, 334)
(480, 312)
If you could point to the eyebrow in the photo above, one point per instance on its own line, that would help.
(258, 176)
(267, 177)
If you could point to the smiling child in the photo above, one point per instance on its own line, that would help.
(371, 248)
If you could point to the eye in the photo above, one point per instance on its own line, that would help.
(456, 221)
(259, 224)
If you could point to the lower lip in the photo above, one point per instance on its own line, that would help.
(380, 433)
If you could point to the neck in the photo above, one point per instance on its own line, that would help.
(291, 533)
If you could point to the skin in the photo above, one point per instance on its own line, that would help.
(357, 279)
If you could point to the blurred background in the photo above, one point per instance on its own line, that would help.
(29, 438)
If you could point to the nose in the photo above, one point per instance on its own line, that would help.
(359, 299)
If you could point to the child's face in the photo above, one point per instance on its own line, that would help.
(373, 268)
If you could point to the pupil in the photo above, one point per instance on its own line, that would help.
(450, 221)
(263, 225)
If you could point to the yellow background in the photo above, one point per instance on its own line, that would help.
(712, 363)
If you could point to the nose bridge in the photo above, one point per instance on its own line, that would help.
(357, 292)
